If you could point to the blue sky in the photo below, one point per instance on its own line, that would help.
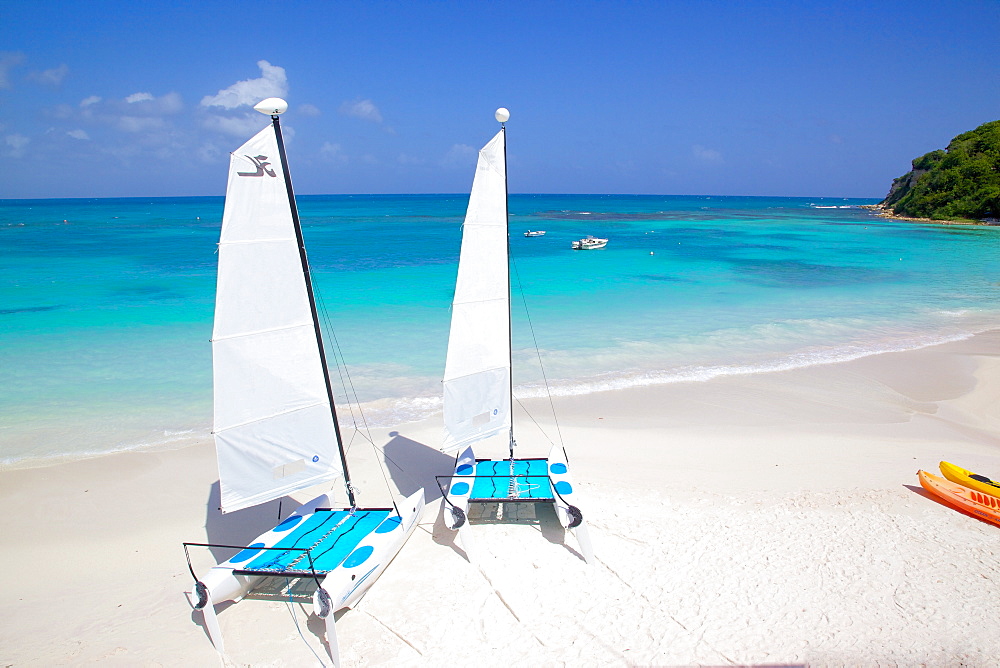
(108, 98)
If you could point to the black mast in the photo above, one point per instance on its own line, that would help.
(312, 303)
(510, 334)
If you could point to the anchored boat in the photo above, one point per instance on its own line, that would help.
(590, 243)
(276, 429)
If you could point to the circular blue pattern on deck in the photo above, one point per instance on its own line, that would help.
(464, 469)
(393, 522)
(246, 554)
(359, 556)
(558, 468)
(460, 488)
(564, 487)
(288, 523)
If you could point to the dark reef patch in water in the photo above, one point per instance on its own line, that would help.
(623, 216)
(665, 278)
(28, 309)
(791, 273)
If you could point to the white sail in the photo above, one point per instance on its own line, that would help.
(477, 370)
(274, 430)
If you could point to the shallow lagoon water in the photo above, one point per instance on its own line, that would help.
(106, 305)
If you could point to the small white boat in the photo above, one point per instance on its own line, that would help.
(535, 233)
(590, 243)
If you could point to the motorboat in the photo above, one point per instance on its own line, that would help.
(590, 243)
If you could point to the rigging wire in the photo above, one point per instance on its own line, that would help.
(538, 353)
(343, 371)
(532, 417)
(291, 610)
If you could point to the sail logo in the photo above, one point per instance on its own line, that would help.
(261, 162)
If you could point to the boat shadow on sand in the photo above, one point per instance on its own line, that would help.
(542, 516)
(917, 489)
(413, 464)
(241, 528)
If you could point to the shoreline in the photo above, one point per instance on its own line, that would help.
(422, 408)
(882, 211)
(770, 518)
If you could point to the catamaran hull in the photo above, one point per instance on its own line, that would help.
(342, 587)
(463, 490)
(223, 583)
(348, 584)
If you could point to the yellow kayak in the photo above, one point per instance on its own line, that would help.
(983, 506)
(980, 483)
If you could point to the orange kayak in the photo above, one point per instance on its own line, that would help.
(980, 483)
(984, 506)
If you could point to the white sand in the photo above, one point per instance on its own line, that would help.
(768, 519)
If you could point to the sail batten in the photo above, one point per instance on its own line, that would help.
(477, 370)
(263, 331)
(272, 406)
(219, 430)
(256, 241)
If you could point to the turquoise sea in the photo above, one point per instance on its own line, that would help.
(106, 304)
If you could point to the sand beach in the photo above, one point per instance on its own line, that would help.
(765, 519)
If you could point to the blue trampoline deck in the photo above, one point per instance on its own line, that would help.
(328, 535)
(500, 480)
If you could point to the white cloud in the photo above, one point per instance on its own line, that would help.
(51, 77)
(78, 134)
(245, 125)
(140, 123)
(706, 155)
(460, 154)
(138, 113)
(17, 142)
(149, 105)
(333, 153)
(171, 103)
(61, 111)
(209, 153)
(8, 61)
(309, 110)
(407, 159)
(272, 83)
(363, 109)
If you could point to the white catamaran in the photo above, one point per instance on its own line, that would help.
(276, 429)
(477, 380)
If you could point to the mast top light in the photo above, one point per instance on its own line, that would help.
(502, 114)
(272, 106)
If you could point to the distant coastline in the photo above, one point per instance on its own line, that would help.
(885, 212)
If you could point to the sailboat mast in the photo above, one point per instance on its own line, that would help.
(510, 335)
(312, 304)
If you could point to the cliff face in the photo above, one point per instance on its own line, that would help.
(962, 181)
(902, 185)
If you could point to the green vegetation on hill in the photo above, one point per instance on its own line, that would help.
(962, 181)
